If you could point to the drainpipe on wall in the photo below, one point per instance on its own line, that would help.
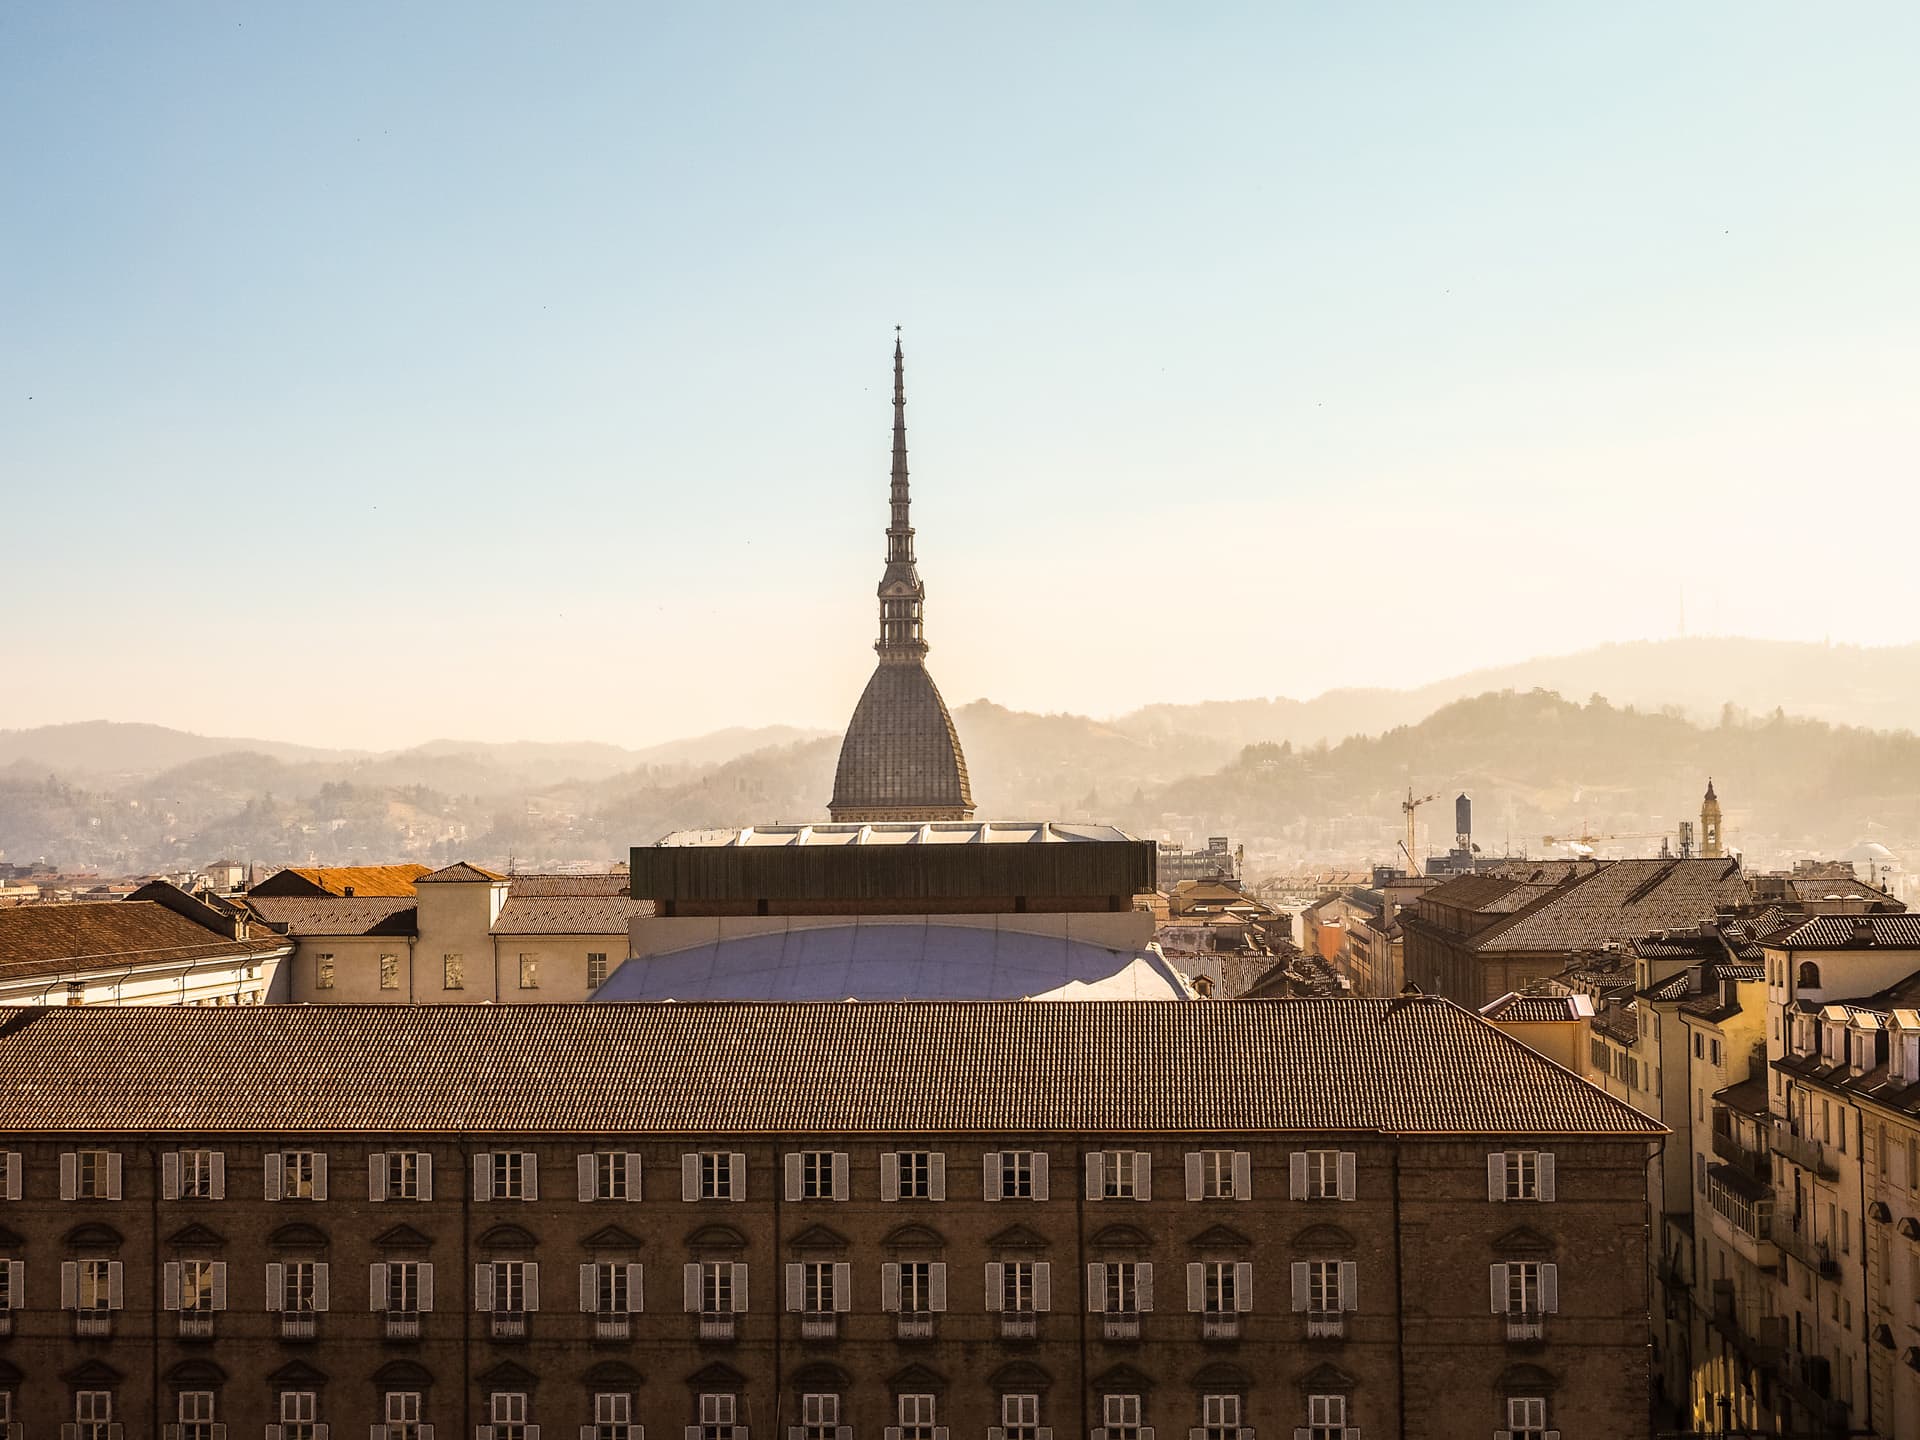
(1866, 1282)
(1399, 1303)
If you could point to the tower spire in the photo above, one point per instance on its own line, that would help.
(902, 596)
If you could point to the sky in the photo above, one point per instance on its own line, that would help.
(374, 373)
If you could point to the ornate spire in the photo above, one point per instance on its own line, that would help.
(902, 596)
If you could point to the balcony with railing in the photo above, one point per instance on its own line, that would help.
(1816, 1255)
(1019, 1324)
(1757, 1163)
(6, 1322)
(1808, 1381)
(1742, 1210)
(509, 1324)
(403, 1324)
(1121, 1325)
(1525, 1326)
(1803, 1150)
(1326, 1324)
(819, 1325)
(92, 1324)
(913, 1325)
(612, 1325)
(1218, 1325)
(196, 1324)
(299, 1324)
(716, 1325)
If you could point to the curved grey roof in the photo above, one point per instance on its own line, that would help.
(901, 754)
(895, 959)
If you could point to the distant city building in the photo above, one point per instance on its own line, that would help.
(901, 757)
(1217, 862)
(1321, 1217)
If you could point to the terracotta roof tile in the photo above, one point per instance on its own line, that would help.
(55, 939)
(335, 915)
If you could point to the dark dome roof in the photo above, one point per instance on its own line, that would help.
(900, 752)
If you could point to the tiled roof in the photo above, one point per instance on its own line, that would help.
(55, 939)
(522, 886)
(1837, 932)
(1415, 1065)
(1812, 888)
(339, 879)
(1621, 901)
(1530, 1009)
(569, 914)
(457, 873)
(1749, 1096)
(901, 751)
(334, 915)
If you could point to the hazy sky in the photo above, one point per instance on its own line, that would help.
(376, 373)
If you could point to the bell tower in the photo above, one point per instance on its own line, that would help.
(1712, 843)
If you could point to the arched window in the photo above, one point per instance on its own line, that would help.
(1809, 975)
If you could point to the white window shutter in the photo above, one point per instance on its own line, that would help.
(483, 1176)
(322, 1287)
(1545, 1161)
(320, 1175)
(1349, 1285)
(1243, 1286)
(996, 1285)
(1497, 1175)
(533, 1285)
(740, 1288)
(636, 1288)
(633, 1176)
(376, 1287)
(69, 1284)
(170, 1175)
(889, 1288)
(1040, 1175)
(1043, 1286)
(483, 1287)
(1096, 1174)
(1196, 1286)
(116, 1285)
(1349, 1175)
(690, 1180)
(1297, 1175)
(14, 1167)
(796, 1286)
(1550, 1289)
(530, 1175)
(589, 1289)
(113, 1175)
(17, 1277)
(842, 1175)
(890, 1175)
(376, 1177)
(1142, 1175)
(692, 1432)
(793, 1163)
(737, 1176)
(219, 1284)
(690, 1288)
(1497, 1288)
(937, 1175)
(1096, 1288)
(426, 1176)
(170, 1285)
(1302, 1291)
(1242, 1175)
(276, 1286)
(1196, 1175)
(426, 1286)
(937, 1287)
(583, 1166)
(70, 1176)
(990, 1175)
(219, 1176)
(1144, 1276)
(842, 1286)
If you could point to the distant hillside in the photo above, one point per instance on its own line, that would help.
(1874, 687)
(109, 747)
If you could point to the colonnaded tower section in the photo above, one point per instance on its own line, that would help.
(901, 758)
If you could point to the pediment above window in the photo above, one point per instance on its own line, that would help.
(1123, 1379)
(820, 1376)
(196, 1372)
(716, 1377)
(1017, 1237)
(1120, 1237)
(1220, 1237)
(1326, 1380)
(506, 1237)
(1525, 1380)
(302, 1237)
(1018, 1376)
(613, 1375)
(916, 1378)
(92, 1237)
(818, 1237)
(92, 1373)
(1322, 1238)
(11, 1240)
(1222, 1376)
(402, 1375)
(1523, 1240)
(196, 1237)
(716, 1237)
(297, 1375)
(10, 1374)
(914, 1237)
(1909, 1227)
(611, 1237)
(402, 1237)
(508, 1376)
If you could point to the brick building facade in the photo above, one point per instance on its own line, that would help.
(1336, 1219)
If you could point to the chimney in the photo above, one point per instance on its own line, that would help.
(1862, 933)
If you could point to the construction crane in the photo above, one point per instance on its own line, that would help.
(1586, 840)
(1409, 805)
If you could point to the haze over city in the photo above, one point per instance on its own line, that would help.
(522, 374)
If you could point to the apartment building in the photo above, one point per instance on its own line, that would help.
(1325, 1218)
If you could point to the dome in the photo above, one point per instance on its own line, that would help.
(901, 758)
(1869, 850)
